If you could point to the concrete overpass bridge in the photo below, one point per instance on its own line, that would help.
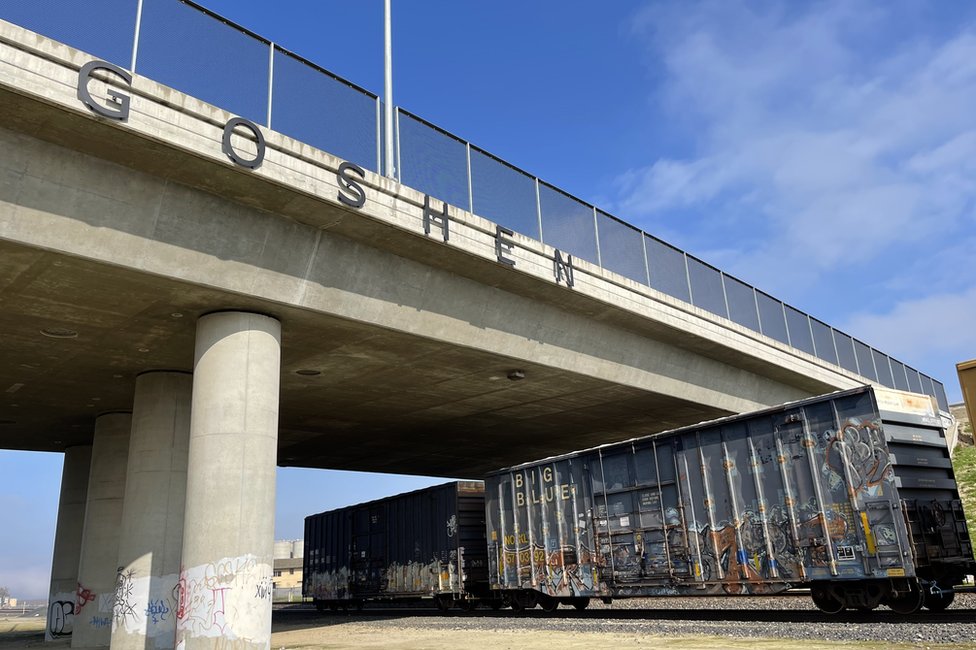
(191, 297)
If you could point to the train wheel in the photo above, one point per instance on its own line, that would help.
(580, 603)
(496, 604)
(443, 602)
(523, 600)
(825, 601)
(467, 605)
(906, 603)
(732, 588)
(548, 603)
(938, 602)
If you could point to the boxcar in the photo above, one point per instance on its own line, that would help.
(426, 544)
(851, 494)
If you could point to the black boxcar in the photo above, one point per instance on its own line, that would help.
(851, 494)
(428, 543)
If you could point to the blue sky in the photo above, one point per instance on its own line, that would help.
(824, 152)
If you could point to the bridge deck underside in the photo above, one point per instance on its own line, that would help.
(383, 401)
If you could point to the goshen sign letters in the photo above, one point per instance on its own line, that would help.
(348, 175)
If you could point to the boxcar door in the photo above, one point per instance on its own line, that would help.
(600, 530)
(377, 548)
(815, 525)
(616, 518)
(360, 561)
(660, 537)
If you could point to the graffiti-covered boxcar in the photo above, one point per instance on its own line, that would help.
(428, 543)
(851, 494)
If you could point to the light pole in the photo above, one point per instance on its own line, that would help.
(389, 167)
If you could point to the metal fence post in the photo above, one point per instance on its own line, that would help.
(135, 37)
(596, 236)
(786, 324)
(397, 174)
(538, 208)
(467, 151)
(755, 301)
(813, 340)
(833, 339)
(647, 266)
(725, 295)
(379, 136)
(271, 49)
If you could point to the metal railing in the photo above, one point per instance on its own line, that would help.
(229, 66)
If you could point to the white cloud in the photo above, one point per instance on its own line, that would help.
(937, 329)
(833, 159)
(926, 326)
(669, 183)
(834, 143)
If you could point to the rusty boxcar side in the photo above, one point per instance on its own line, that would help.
(427, 543)
(851, 494)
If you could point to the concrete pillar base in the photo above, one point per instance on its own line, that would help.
(225, 585)
(98, 566)
(67, 542)
(151, 536)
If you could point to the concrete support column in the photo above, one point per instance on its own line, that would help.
(151, 535)
(228, 535)
(67, 542)
(98, 566)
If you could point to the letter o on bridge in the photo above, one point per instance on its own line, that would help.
(228, 148)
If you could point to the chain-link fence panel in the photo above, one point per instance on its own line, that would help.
(322, 110)
(103, 28)
(567, 223)
(191, 51)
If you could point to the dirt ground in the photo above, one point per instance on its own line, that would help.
(358, 635)
(411, 635)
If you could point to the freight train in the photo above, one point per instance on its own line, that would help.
(850, 494)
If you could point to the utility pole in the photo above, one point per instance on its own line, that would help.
(389, 167)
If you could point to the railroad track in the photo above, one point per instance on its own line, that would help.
(880, 615)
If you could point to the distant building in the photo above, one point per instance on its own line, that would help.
(964, 412)
(964, 428)
(287, 570)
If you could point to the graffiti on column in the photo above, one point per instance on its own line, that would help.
(144, 604)
(100, 621)
(94, 608)
(157, 610)
(228, 599)
(123, 608)
(60, 616)
(83, 597)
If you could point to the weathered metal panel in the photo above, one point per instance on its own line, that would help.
(421, 543)
(919, 457)
(757, 503)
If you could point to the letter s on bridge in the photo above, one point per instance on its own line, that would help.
(356, 197)
(118, 107)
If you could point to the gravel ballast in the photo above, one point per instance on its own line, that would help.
(770, 617)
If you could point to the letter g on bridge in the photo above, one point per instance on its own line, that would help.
(117, 108)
